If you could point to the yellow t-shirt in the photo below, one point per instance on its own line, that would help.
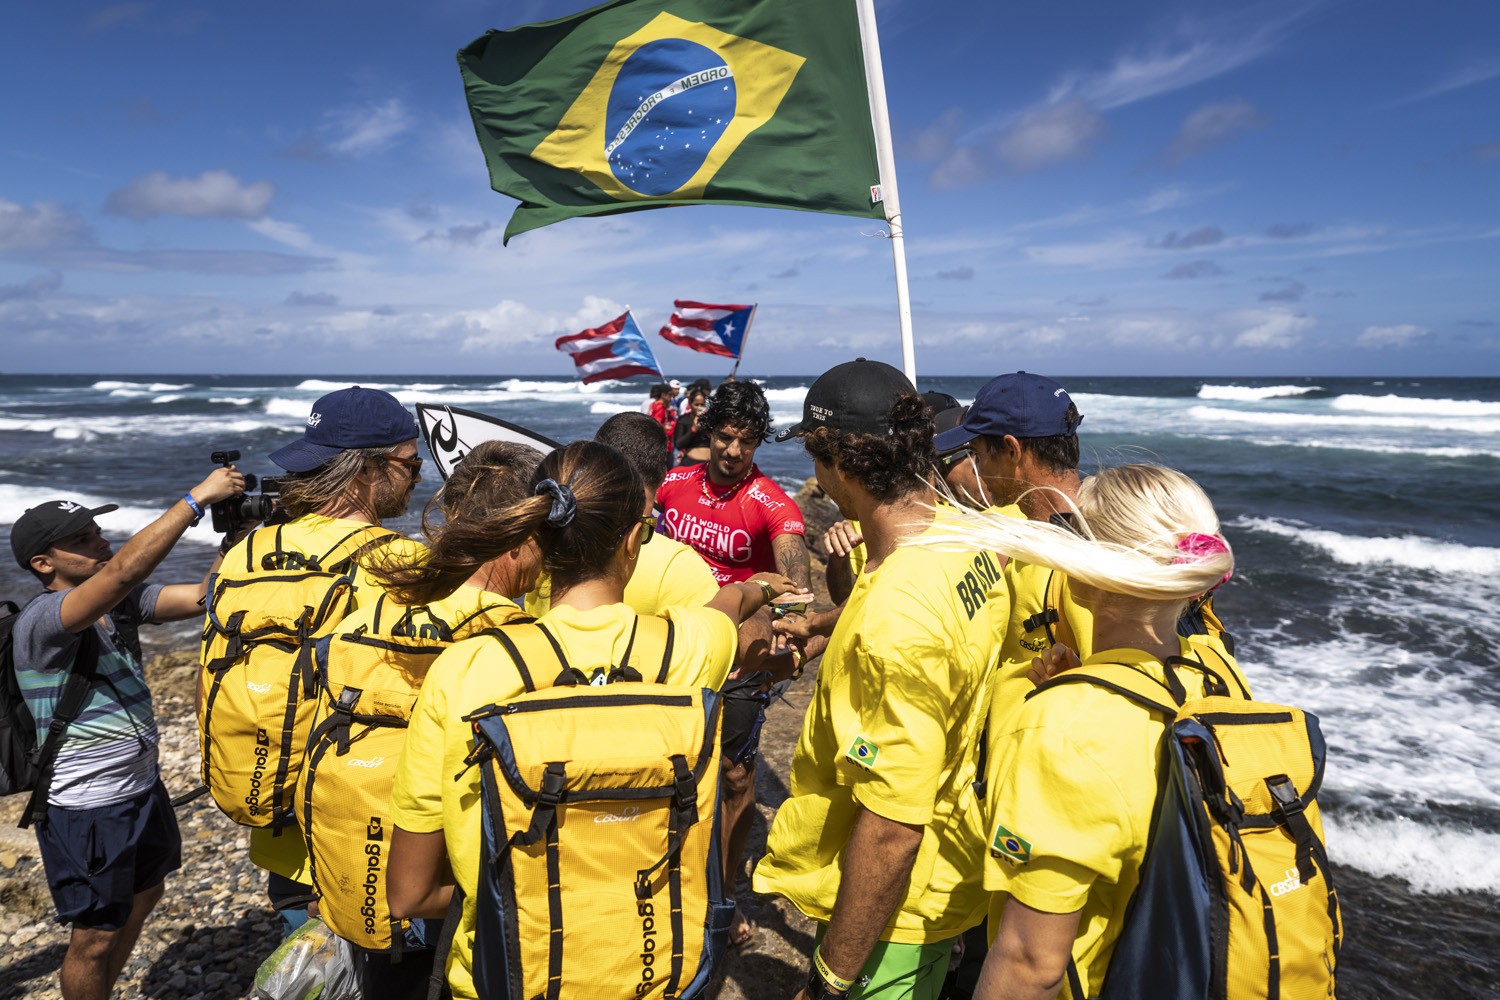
(668, 574)
(315, 535)
(892, 728)
(478, 672)
(1072, 784)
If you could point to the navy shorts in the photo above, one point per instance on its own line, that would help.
(744, 712)
(98, 859)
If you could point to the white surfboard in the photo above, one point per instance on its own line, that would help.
(451, 432)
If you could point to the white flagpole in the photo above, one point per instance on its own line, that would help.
(885, 156)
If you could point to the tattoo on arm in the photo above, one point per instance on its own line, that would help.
(792, 560)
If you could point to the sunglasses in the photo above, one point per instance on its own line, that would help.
(649, 521)
(414, 463)
(947, 462)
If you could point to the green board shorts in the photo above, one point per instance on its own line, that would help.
(902, 971)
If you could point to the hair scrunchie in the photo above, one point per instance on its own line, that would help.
(1196, 547)
(564, 506)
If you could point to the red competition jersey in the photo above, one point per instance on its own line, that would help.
(732, 535)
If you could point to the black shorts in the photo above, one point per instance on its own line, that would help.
(98, 859)
(744, 713)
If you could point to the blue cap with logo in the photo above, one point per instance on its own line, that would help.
(355, 417)
(1020, 404)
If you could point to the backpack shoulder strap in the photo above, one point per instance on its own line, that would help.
(1048, 615)
(69, 705)
(526, 641)
(1123, 680)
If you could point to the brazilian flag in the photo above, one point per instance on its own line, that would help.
(645, 103)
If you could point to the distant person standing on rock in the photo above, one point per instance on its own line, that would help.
(104, 822)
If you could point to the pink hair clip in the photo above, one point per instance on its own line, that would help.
(1196, 546)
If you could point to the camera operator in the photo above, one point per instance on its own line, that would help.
(355, 466)
(104, 822)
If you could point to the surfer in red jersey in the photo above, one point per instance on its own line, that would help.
(741, 523)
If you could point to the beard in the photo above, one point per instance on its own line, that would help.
(392, 498)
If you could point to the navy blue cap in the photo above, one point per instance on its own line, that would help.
(1021, 404)
(855, 396)
(355, 417)
(48, 523)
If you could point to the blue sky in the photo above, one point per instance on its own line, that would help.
(1089, 188)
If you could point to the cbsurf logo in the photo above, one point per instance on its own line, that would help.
(1291, 883)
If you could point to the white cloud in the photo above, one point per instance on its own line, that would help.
(1050, 134)
(286, 233)
(43, 225)
(1401, 335)
(367, 128)
(1273, 329)
(213, 194)
(1468, 76)
(1213, 124)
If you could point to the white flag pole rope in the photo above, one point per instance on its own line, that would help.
(885, 156)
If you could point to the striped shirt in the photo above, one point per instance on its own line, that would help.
(109, 752)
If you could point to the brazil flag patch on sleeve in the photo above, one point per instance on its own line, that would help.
(863, 752)
(1009, 846)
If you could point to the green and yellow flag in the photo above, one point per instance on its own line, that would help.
(646, 103)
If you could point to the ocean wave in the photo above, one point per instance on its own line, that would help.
(1430, 858)
(791, 394)
(1250, 393)
(232, 400)
(612, 408)
(1262, 418)
(1409, 735)
(279, 406)
(92, 428)
(119, 524)
(1407, 551)
(170, 397)
(1416, 406)
(1380, 447)
(147, 386)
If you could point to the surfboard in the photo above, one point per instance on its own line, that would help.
(451, 432)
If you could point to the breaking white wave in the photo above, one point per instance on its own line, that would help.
(170, 397)
(146, 386)
(791, 394)
(1409, 551)
(118, 525)
(1254, 392)
(1416, 406)
(1212, 414)
(232, 400)
(612, 408)
(1381, 447)
(280, 407)
(92, 428)
(1429, 859)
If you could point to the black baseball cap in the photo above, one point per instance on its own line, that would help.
(1020, 404)
(355, 417)
(48, 523)
(855, 396)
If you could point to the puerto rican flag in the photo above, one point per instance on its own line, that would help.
(618, 349)
(711, 329)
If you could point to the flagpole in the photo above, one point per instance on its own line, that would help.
(885, 156)
(743, 339)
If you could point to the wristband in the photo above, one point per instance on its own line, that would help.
(187, 498)
(766, 589)
(823, 972)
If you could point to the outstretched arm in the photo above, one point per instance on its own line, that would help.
(791, 559)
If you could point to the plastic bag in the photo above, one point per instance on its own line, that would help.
(311, 964)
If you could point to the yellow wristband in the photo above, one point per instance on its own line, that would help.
(840, 985)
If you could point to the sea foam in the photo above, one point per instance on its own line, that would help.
(1407, 551)
(1429, 859)
(1415, 406)
(1263, 418)
(118, 525)
(1254, 392)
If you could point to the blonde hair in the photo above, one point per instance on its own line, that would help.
(305, 492)
(1140, 534)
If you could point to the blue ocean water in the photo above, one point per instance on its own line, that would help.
(1361, 512)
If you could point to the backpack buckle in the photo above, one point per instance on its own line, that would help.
(1288, 802)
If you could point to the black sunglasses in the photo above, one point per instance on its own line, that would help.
(947, 462)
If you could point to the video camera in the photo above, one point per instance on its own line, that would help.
(232, 514)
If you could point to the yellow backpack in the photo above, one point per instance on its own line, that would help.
(369, 676)
(265, 610)
(600, 875)
(1236, 898)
